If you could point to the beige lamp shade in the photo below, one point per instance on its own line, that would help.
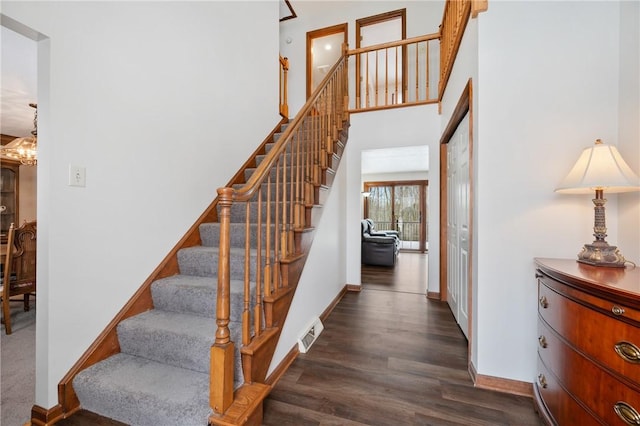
(600, 167)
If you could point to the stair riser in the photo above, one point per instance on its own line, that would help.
(210, 234)
(204, 263)
(139, 337)
(238, 212)
(176, 294)
(295, 172)
(265, 191)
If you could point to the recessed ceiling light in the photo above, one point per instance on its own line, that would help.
(327, 46)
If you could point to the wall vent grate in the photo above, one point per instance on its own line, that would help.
(310, 335)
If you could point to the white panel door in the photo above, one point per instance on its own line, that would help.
(458, 224)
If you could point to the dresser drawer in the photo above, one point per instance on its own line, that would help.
(564, 409)
(611, 342)
(587, 381)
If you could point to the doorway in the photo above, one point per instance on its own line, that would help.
(324, 48)
(456, 233)
(400, 206)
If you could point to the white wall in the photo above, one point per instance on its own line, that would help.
(629, 128)
(151, 98)
(541, 95)
(323, 276)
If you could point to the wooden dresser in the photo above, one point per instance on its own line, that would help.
(588, 344)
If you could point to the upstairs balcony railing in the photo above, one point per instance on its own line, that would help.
(413, 71)
(399, 73)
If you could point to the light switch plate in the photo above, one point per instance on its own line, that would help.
(77, 176)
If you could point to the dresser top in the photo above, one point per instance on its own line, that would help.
(621, 281)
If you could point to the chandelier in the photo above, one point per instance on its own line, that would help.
(25, 150)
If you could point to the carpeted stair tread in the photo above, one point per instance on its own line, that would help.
(194, 295)
(173, 338)
(141, 392)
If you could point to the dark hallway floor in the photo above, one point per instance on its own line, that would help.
(390, 356)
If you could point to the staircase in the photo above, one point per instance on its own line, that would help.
(218, 301)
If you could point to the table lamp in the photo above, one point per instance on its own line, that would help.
(600, 168)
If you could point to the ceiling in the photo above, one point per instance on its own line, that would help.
(18, 71)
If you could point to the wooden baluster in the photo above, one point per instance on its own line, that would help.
(222, 351)
(267, 246)
(368, 102)
(376, 83)
(285, 100)
(276, 244)
(325, 131)
(308, 143)
(292, 196)
(417, 74)
(257, 316)
(284, 249)
(386, 77)
(426, 66)
(395, 101)
(246, 312)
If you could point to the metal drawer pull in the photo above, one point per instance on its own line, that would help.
(543, 341)
(543, 302)
(628, 351)
(627, 413)
(617, 310)
(543, 381)
(539, 274)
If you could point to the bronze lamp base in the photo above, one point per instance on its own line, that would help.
(600, 253)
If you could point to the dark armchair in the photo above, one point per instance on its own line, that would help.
(377, 248)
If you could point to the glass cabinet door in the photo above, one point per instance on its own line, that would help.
(8, 198)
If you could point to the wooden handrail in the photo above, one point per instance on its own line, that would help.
(454, 21)
(381, 46)
(248, 190)
(276, 200)
(394, 74)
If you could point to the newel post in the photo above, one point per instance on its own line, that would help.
(222, 351)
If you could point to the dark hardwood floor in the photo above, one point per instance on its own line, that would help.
(387, 356)
(409, 275)
(390, 356)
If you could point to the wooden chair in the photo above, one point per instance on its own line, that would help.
(19, 277)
